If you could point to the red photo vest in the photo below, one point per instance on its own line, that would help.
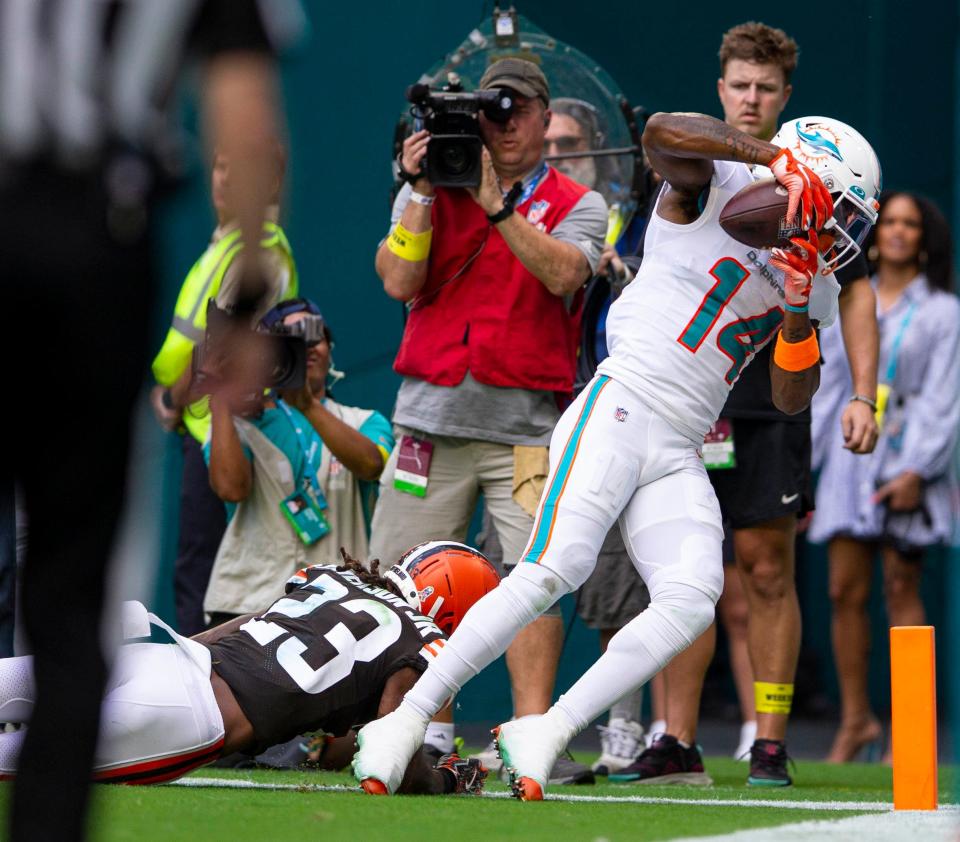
(494, 319)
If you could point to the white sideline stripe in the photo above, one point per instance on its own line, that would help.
(931, 826)
(833, 806)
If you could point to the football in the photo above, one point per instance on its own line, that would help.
(755, 215)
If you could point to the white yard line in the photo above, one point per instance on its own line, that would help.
(931, 826)
(832, 806)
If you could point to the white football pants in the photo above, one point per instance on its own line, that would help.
(610, 457)
(159, 718)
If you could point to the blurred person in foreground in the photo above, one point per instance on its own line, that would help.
(903, 498)
(297, 468)
(492, 280)
(216, 275)
(338, 650)
(758, 460)
(84, 150)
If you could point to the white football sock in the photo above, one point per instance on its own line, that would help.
(484, 634)
(440, 735)
(678, 614)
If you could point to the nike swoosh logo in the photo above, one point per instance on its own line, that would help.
(787, 500)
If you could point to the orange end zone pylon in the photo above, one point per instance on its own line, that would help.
(913, 685)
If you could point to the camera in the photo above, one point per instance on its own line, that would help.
(451, 116)
(281, 354)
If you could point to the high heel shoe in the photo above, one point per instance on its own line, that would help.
(850, 742)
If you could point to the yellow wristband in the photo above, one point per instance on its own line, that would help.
(772, 698)
(796, 356)
(409, 246)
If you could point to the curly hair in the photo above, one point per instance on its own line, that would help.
(935, 257)
(369, 576)
(757, 42)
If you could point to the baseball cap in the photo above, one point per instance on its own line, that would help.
(523, 76)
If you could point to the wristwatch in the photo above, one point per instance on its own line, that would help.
(864, 399)
(508, 202)
(408, 177)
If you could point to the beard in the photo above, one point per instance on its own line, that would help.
(581, 170)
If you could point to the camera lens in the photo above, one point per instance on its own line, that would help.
(455, 159)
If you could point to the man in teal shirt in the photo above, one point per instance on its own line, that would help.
(263, 453)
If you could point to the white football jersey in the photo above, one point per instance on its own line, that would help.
(699, 309)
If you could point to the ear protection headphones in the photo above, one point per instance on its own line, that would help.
(585, 114)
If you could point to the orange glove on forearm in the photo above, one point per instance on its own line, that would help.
(805, 191)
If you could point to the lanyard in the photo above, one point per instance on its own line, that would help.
(532, 185)
(897, 340)
(309, 453)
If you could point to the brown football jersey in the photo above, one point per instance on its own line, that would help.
(318, 659)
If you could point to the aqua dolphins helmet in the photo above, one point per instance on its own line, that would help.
(848, 168)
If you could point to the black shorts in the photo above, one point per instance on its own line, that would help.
(772, 476)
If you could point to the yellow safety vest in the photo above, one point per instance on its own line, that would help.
(190, 313)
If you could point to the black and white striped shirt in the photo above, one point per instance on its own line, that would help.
(80, 76)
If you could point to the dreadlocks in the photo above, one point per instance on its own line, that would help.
(368, 577)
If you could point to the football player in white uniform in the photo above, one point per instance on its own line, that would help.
(629, 446)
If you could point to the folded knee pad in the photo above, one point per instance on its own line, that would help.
(531, 589)
(686, 608)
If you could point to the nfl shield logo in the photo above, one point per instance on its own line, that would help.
(621, 414)
(537, 210)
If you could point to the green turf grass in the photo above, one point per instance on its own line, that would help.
(171, 814)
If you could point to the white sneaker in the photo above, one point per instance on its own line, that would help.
(657, 727)
(620, 743)
(489, 758)
(384, 749)
(748, 733)
(529, 747)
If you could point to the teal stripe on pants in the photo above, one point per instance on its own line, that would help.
(548, 513)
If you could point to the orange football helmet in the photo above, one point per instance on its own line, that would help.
(442, 579)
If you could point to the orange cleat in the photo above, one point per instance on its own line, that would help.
(526, 789)
(372, 786)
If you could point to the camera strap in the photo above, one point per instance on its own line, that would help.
(311, 452)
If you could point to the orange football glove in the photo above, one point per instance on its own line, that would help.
(798, 264)
(805, 191)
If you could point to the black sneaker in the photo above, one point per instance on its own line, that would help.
(665, 762)
(768, 764)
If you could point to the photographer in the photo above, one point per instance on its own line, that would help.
(295, 466)
(492, 279)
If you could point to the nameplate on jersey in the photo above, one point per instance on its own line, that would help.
(718, 450)
(413, 466)
(305, 516)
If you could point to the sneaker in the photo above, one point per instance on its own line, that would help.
(620, 743)
(768, 764)
(529, 748)
(748, 733)
(665, 762)
(489, 758)
(384, 749)
(566, 770)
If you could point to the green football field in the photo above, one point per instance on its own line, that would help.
(266, 805)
